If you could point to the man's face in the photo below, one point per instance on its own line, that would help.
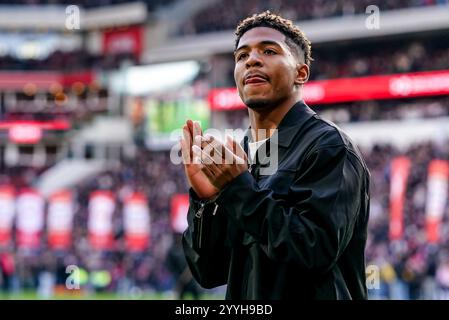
(265, 68)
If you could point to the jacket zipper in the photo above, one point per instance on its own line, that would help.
(199, 215)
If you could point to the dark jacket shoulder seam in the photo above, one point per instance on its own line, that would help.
(333, 126)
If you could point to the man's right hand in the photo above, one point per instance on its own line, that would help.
(197, 179)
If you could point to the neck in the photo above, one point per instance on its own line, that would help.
(263, 122)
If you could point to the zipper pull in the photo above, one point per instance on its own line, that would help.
(199, 213)
(215, 210)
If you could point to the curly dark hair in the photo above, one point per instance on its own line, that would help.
(294, 37)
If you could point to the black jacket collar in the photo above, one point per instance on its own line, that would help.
(289, 126)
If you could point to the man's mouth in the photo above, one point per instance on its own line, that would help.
(255, 80)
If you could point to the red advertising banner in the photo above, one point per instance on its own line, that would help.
(396, 86)
(43, 125)
(400, 168)
(25, 133)
(437, 184)
(129, 40)
(101, 209)
(85, 77)
(179, 210)
(43, 80)
(31, 132)
(30, 218)
(60, 220)
(7, 210)
(136, 215)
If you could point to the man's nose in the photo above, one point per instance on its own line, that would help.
(254, 59)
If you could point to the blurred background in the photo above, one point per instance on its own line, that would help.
(92, 207)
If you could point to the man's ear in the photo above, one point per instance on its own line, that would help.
(302, 73)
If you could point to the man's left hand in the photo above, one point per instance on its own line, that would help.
(221, 163)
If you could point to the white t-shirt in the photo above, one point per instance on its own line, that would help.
(253, 147)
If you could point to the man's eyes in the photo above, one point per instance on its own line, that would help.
(242, 55)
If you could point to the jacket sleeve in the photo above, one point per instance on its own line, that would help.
(314, 225)
(205, 242)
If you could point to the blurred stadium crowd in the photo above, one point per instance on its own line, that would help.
(65, 61)
(151, 4)
(373, 58)
(345, 60)
(226, 14)
(409, 268)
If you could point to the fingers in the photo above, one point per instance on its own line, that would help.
(229, 146)
(186, 152)
(196, 129)
(212, 146)
(231, 152)
(186, 133)
(221, 151)
(189, 124)
(208, 166)
(237, 148)
(190, 130)
(186, 145)
(208, 172)
(205, 157)
(239, 154)
(212, 151)
(193, 128)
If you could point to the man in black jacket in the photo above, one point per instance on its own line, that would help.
(299, 231)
